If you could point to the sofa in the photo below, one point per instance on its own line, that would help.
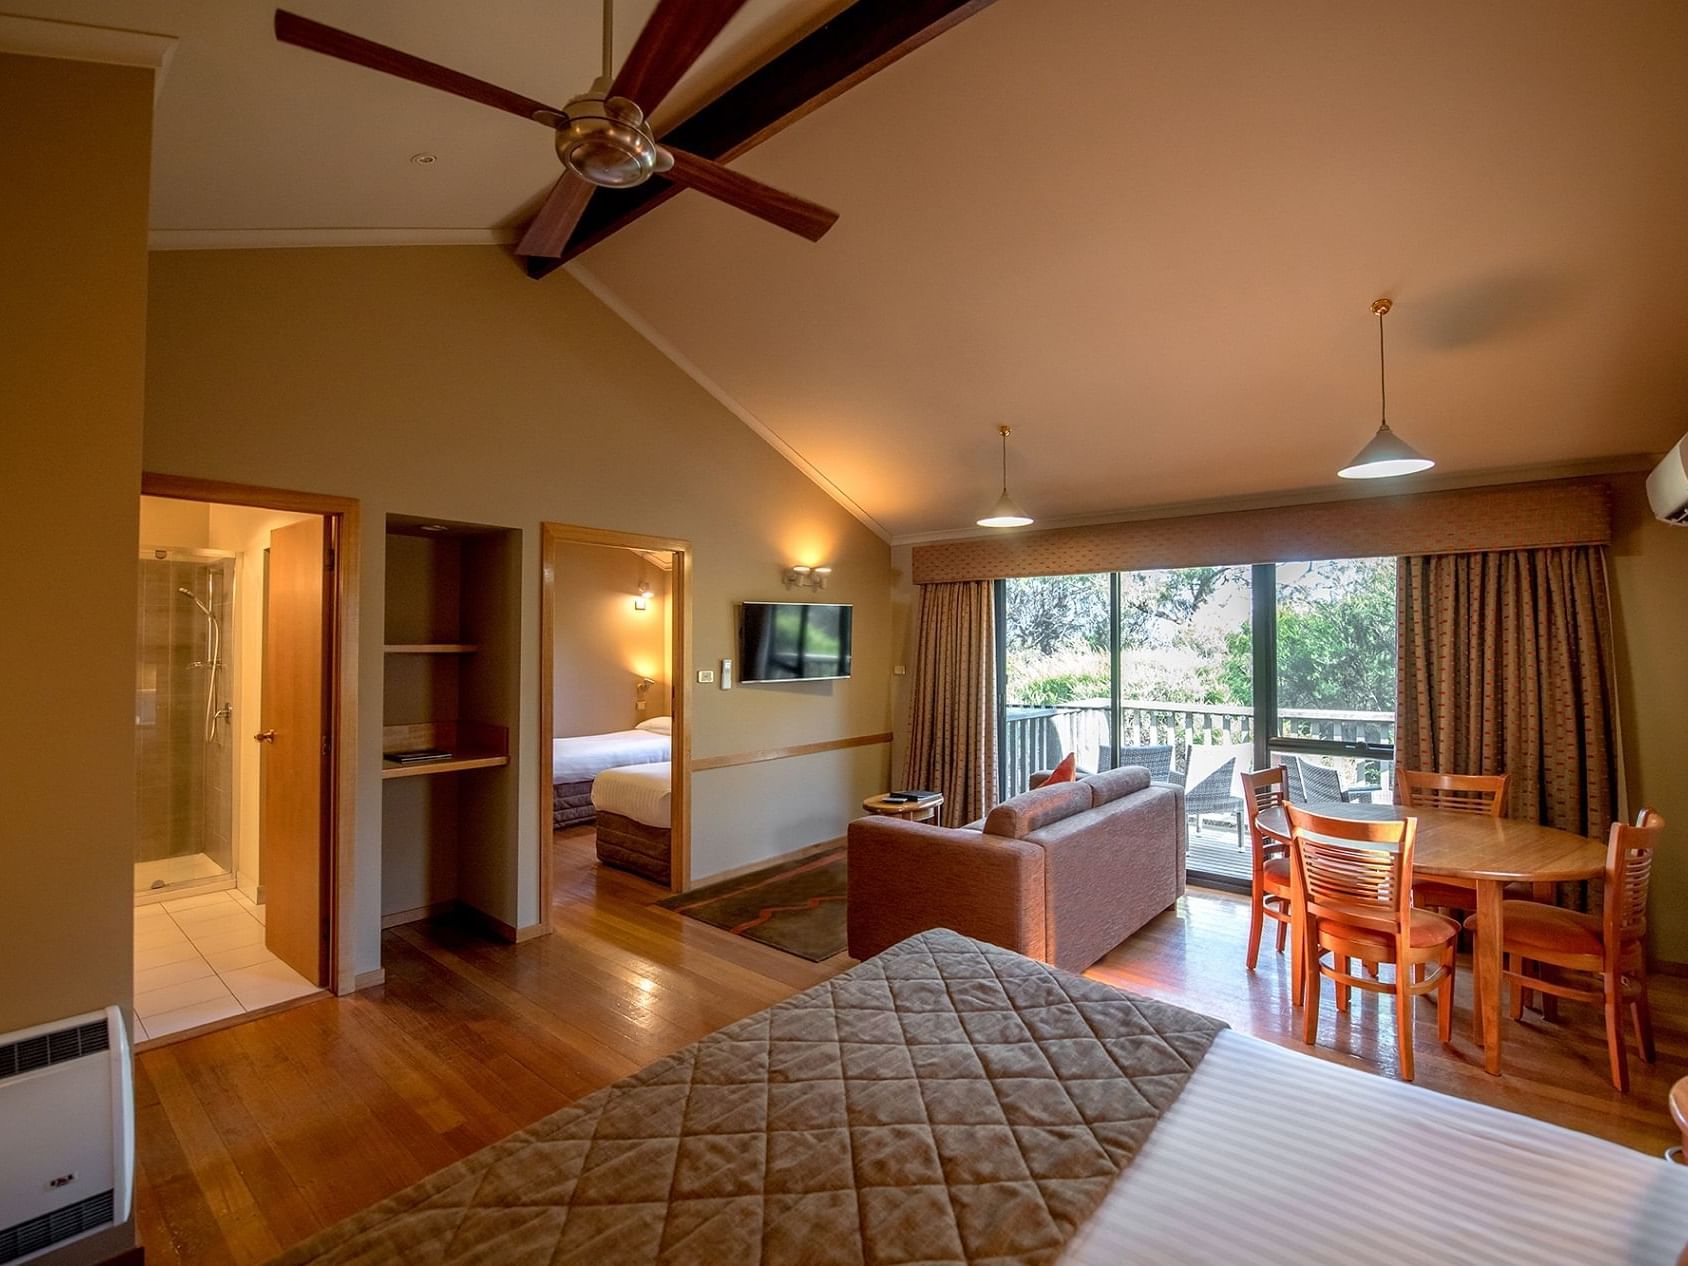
(1063, 873)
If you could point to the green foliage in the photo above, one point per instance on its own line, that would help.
(1052, 689)
(1051, 614)
(1153, 602)
(1336, 641)
(1336, 638)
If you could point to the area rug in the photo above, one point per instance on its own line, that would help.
(795, 906)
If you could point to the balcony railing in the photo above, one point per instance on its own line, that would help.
(1035, 737)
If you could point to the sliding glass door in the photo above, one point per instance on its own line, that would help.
(1055, 674)
(1187, 710)
(1201, 674)
(1333, 678)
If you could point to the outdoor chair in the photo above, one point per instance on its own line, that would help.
(1156, 758)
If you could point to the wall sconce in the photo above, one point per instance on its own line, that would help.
(801, 577)
(642, 599)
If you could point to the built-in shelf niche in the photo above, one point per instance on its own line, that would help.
(452, 637)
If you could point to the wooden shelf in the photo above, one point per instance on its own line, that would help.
(431, 648)
(458, 761)
(472, 746)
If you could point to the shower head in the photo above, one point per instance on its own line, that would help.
(189, 595)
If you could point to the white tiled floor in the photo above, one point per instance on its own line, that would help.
(202, 958)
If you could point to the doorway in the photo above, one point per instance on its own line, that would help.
(615, 703)
(238, 736)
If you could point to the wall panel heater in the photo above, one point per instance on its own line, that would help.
(67, 1132)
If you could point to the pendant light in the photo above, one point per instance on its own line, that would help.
(1387, 455)
(1005, 513)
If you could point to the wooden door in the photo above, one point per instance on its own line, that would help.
(293, 817)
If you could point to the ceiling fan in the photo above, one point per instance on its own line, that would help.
(603, 136)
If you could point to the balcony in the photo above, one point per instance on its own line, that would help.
(1201, 737)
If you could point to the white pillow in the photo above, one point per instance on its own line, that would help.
(657, 725)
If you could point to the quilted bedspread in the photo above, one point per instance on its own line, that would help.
(945, 1101)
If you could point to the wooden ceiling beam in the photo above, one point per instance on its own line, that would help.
(830, 60)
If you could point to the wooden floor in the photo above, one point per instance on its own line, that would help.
(254, 1137)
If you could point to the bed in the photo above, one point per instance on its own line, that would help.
(950, 1101)
(577, 761)
(633, 807)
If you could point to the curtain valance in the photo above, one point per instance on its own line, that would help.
(1471, 520)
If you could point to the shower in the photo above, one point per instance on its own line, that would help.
(213, 661)
(187, 650)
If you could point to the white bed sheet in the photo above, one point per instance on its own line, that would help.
(586, 756)
(1247, 1164)
(641, 792)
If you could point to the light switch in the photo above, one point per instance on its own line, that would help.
(726, 674)
(705, 676)
(898, 671)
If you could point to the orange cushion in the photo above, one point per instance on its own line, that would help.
(1532, 925)
(1428, 928)
(1276, 871)
(1066, 771)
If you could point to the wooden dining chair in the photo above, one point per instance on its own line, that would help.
(1269, 862)
(1352, 885)
(1611, 944)
(1458, 793)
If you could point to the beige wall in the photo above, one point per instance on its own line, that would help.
(73, 273)
(602, 645)
(1650, 597)
(170, 524)
(73, 266)
(441, 382)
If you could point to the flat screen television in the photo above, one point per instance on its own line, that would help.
(794, 641)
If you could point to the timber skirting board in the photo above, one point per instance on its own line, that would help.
(480, 920)
(762, 863)
(700, 763)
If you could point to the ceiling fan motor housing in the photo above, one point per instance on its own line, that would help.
(606, 140)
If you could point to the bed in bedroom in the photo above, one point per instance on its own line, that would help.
(576, 763)
(633, 807)
(949, 1101)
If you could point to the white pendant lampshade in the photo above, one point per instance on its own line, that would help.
(1388, 455)
(1006, 513)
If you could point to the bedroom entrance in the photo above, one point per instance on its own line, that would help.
(237, 664)
(615, 623)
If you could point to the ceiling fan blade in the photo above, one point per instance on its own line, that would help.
(551, 228)
(806, 219)
(290, 28)
(674, 38)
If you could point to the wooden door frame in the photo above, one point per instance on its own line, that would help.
(343, 517)
(679, 612)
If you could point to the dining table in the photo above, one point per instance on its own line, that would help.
(1484, 851)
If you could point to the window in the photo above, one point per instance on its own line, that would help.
(1056, 692)
(1334, 635)
(1201, 674)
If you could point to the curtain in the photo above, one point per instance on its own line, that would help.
(1505, 665)
(952, 732)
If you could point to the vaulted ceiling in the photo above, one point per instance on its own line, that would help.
(1144, 235)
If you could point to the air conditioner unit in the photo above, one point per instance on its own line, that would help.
(67, 1115)
(1667, 486)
